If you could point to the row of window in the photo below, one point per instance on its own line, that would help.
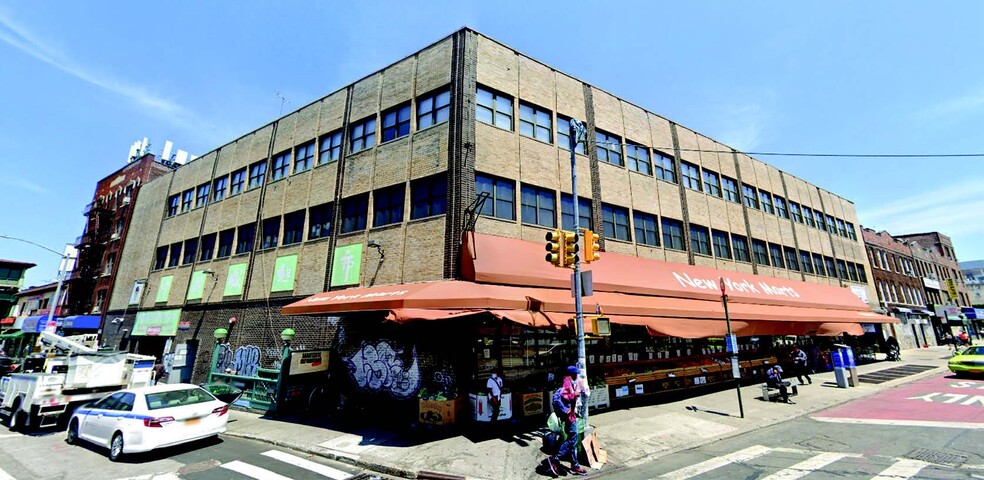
(428, 197)
(432, 109)
(891, 262)
(896, 293)
(538, 207)
(496, 109)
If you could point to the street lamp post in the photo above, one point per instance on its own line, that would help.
(731, 344)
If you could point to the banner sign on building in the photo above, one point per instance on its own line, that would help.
(164, 289)
(196, 287)
(235, 279)
(137, 292)
(157, 323)
(308, 362)
(283, 273)
(346, 265)
(951, 288)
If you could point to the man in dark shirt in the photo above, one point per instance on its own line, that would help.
(775, 381)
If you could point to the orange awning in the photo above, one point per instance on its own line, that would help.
(443, 295)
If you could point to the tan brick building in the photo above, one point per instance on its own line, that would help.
(371, 184)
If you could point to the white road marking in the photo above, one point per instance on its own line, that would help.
(714, 463)
(901, 423)
(901, 470)
(806, 467)
(325, 470)
(5, 476)
(347, 445)
(253, 471)
(10, 435)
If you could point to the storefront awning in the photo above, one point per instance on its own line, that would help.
(36, 323)
(444, 295)
(10, 335)
(81, 322)
(902, 309)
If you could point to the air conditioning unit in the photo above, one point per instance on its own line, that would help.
(126, 200)
(114, 236)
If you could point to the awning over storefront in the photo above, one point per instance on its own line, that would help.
(153, 323)
(973, 313)
(902, 309)
(12, 335)
(81, 322)
(36, 323)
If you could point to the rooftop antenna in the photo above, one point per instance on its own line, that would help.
(283, 100)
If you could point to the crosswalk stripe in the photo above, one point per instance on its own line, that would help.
(253, 471)
(5, 476)
(806, 467)
(718, 462)
(325, 470)
(901, 470)
(9, 435)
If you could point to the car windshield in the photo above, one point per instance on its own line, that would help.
(177, 398)
(974, 351)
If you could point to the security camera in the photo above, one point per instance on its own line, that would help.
(373, 243)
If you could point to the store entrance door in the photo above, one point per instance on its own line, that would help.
(151, 346)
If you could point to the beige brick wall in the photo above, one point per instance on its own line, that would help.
(137, 256)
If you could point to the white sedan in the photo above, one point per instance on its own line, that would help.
(142, 419)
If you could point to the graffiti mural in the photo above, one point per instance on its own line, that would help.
(247, 361)
(379, 368)
(224, 361)
(168, 361)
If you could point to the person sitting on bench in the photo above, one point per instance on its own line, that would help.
(775, 381)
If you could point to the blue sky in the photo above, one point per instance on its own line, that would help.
(82, 80)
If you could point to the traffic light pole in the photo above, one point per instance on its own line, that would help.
(576, 132)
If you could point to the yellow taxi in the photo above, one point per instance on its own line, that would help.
(969, 361)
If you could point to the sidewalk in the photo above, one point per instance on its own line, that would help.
(630, 436)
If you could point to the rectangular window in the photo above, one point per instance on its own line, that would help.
(225, 242)
(387, 205)
(615, 222)
(781, 207)
(818, 264)
(502, 196)
(748, 193)
(712, 183)
(535, 122)
(539, 206)
(794, 209)
(186, 198)
(433, 108)
(829, 264)
(609, 148)
(852, 271)
(740, 243)
(638, 157)
(330, 148)
(730, 187)
(238, 182)
(850, 231)
(672, 233)
(494, 108)
(175, 258)
(108, 267)
(766, 198)
(281, 163)
(564, 135)
(808, 216)
(842, 270)
(172, 205)
(663, 166)
(304, 157)
(775, 253)
(354, 212)
(201, 195)
(831, 226)
(428, 196)
(761, 252)
(584, 220)
(246, 238)
(362, 135)
(841, 229)
(190, 249)
(806, 262)
(646, 232)
(396, 122)
(257, 174)
(722, 249)
(818, 217)
(792, 262)
(219, 188)
(293, 227)
(700, 242)
(161, 258)
(271, 233)
(321, 216)
(208, 248)
(690, 176)
(862, 276)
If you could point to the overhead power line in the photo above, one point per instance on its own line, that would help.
(819, 155)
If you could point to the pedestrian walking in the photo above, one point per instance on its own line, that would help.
(800, 368)
(964, 338)
(494, 390)
(775, 381)
(948, 341)
(564, 403)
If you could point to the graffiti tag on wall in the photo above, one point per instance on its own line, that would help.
(224, 358)
(245, 361)
(379, 368)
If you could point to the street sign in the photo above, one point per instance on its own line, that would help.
(735, 370)
(587, 285)
(731, 341)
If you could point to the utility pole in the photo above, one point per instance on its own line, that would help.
(731, 345)
(577, 132)
(50, 325)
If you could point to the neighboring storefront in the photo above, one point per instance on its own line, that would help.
(152, 332)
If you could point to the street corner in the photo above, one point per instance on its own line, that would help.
(942, 400)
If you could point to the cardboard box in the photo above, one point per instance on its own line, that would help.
(532, 404)
(440, 412)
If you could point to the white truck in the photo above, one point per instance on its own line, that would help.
(71, 374)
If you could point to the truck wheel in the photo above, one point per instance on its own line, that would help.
(116, 447)
(73, 433)
(17, 417)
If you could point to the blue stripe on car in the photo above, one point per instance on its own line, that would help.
(111, 413)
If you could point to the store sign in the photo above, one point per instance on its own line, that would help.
(164, 289)
(157, 323)
(931, 283)
(284, 272)
(235, 279)
(196, 287)
(346, 265)
(745, 286)
(861, 292)
(308, 362)
(951, 288)
(137, 292)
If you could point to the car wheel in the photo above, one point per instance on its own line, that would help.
(73, 432)
(18, 420)
(116, 447)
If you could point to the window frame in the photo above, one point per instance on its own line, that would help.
(645, 226)
(743, 253)
(673, 237)
(636, 155)
(330, 143)
(226, 243)
(160, 257)
(200, 199)
(187, 197)
(780, 204)
(245, 238)
(792, 258)
(434, 110)
(564, 136)
(749, 196)
(434, 198)
(293, 233)
(207, 250)
(712, 183)
(219, 186)
(615, 222)
(271, 233)
(612, 148)
(794, 211)
(173, 204)
(362, 135)
(257, 175)
(690, 176)
(320, 221)
(497, 114)
(190, 251)
(394, 125)
(721, 244)
(808, 217)
(543, 208)
(806, 262)
(818, 265)
(355, 213)
(237, 186)
(765, 200)
(700, 240)
(492, 208)
(174, 255)
(776, 255)
(760, 252)
(389, 205)
(536, 115)
(304, 157)
(664, 167)
(280, 165)
(584, 212)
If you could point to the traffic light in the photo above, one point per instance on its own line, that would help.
(591, 247)
(594, 326)
(570, 248)
(555, 248)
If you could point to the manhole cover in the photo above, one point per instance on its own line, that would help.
(937, 457)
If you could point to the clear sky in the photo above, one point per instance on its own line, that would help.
(82, 80)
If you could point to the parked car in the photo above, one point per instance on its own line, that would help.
(147, 418)
(969, 361)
